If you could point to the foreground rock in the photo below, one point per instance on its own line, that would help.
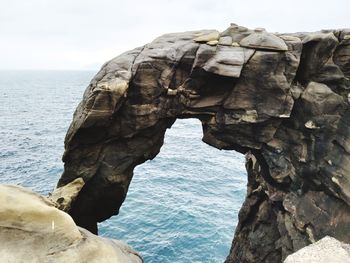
(326, 250)
(281, 99)
(33, 230)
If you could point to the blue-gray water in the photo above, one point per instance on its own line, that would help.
(181, 207)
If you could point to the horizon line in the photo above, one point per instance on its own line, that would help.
(40, 69)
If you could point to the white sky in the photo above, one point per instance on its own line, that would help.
(83, 34)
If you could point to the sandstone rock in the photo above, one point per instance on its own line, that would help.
(33, 230)
(65, 195)
(263, 40)
(212, 36)
(342, 57)
(237, 33)
(326, 250)
(227, 61)
(225, 41)
(318, 48)
(212, 42)
(281, 99)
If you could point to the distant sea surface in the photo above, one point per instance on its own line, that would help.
(181, 207)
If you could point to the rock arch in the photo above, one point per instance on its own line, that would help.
(281, 99)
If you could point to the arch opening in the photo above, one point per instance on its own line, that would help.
(183, 205)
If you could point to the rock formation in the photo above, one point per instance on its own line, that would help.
(326, 250)
(33, 230)
(281, 99)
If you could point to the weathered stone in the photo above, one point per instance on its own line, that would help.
(326, 250)
(319, 99)
(33, 230)
(228, 61)
(212, 36)
(212, 42)
(237, 33)
(318, 48)
(283, 100)
(251, 90)
(65, 195)
(263, 40)
(342, 58)
(225, 41)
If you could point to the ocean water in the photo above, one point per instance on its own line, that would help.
(181, 207)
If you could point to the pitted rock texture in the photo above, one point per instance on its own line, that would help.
(33, 230)
(281, 99)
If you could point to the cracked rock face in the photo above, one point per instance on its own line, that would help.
(281, 99)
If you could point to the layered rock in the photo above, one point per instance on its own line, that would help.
(281, 99)
(32, 229)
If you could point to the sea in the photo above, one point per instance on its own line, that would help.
(182, 206)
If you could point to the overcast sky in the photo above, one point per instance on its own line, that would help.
(82, 34)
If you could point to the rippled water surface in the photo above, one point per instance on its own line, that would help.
(181, 207)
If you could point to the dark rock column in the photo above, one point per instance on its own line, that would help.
(257, 230)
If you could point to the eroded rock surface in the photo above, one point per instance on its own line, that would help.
(33, 230)
(281, 99)
(326, 250)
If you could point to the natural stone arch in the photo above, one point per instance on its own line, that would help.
(281, 99)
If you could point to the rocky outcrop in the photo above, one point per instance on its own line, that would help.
(326, 250)
(281, 99)
(32, 229)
